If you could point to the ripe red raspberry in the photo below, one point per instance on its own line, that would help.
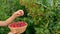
(18, 24)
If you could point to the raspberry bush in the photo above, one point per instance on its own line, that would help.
(42, 16)
(45, 15)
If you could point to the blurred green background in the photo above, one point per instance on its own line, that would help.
(42, 16)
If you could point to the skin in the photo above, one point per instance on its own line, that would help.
(11, 19)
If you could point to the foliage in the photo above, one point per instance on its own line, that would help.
(45, 15)
(42, 16)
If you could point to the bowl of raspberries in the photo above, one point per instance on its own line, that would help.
(19, 27)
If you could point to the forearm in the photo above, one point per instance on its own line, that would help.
(8, 21)
(2, 23)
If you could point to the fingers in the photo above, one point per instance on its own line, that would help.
(11, 33)
(18, 13)
(21, 12)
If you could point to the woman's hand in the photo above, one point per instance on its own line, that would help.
(18, 13)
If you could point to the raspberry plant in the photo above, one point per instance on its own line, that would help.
(42, 16)
(45, 15)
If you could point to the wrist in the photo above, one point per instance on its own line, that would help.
(14, 16)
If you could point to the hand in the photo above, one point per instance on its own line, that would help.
(18, 13)
(11, 33)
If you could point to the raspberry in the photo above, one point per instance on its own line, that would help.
(18, 24)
